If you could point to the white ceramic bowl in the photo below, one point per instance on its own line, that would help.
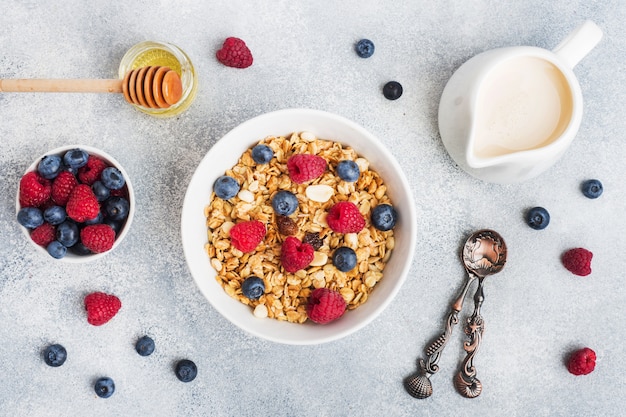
(70, 257)
(225, 153)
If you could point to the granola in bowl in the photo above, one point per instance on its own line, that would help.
(286, 294)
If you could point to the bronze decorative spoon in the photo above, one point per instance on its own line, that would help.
(477, 265)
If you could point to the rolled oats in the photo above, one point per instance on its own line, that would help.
(286, 294)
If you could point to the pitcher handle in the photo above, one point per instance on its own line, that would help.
(578, 43)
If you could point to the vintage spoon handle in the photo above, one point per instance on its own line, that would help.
(465, 381)
(60, 86)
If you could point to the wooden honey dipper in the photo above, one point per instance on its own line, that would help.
(153, 87)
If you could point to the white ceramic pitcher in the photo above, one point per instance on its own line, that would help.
(508, 114)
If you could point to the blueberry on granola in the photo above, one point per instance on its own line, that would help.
(348, 170)
(253, 287)
(262, 154)
(344, 258)
(226, 187)
(384, 217)
(284, 203)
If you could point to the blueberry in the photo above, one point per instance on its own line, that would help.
(186, 370)
(80, 249)
(344, 259)
(226, 187)
(116, 208)
(364, 48)
(262, 154)
(253, 287)
(112, 178)
(96, 220)
(50, 166)
(56, 249)
(592, 188)
(104, 387)
(384, 217)
(67, 233)
(392, 90)
(145, 346)
(538, 218)
(284, 203)
(116, 225)
(348, 170)
(30, 217)
(55, 215)
(75, 158)
(101, 192)
(55, 355)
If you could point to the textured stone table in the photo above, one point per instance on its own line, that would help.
(536, 312)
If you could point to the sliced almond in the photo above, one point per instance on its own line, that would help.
(319, 259)
(320, 192)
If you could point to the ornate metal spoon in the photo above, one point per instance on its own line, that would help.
(484, 255)
(418, 385)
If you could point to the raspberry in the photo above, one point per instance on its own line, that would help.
(577, 261)
(582, 362)
(62, 186)
(98, 238)
(325, 306)
(345, 217)
(296, 255)
(305, 167)
(90, 173)
(101, 307)
(82, 204)
(234, 53)
(35, 190)
(246, 236)
(43, 234)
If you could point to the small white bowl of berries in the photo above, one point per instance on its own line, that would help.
(75, 203)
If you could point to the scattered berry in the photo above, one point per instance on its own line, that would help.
(55, 355)
(116, 208)
(82, 204)
(67, 233)
(226, 187)
(62, 186)
(145, 346)
(392, 90)
(50, 166)
(235, 53)
(577, 261)
(325, 305)
(101, 307)
(246, 236)
(384, 217)
(582, 362)
(313, 239)
(100, 191)
(92, 170)
(35, 190)
(592, 188)
(538, 218)
(75, 158)
(286, 226)
(344, 259)
(112, 178)
(345, 217)
(295, 255)
(305, 167)
(262, 154)
(43, 235)
(30, 217)
(253, 287)
(104, 387)
(364, 48)
(54, 215)
(56, 249)
(186, 370)
(284, 203)
(98, 238)
(348, 170)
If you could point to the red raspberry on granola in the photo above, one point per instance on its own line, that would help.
(305, 167)
(345, 217)
(246, 236)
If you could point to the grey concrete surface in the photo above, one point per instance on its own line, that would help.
(536, 312)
